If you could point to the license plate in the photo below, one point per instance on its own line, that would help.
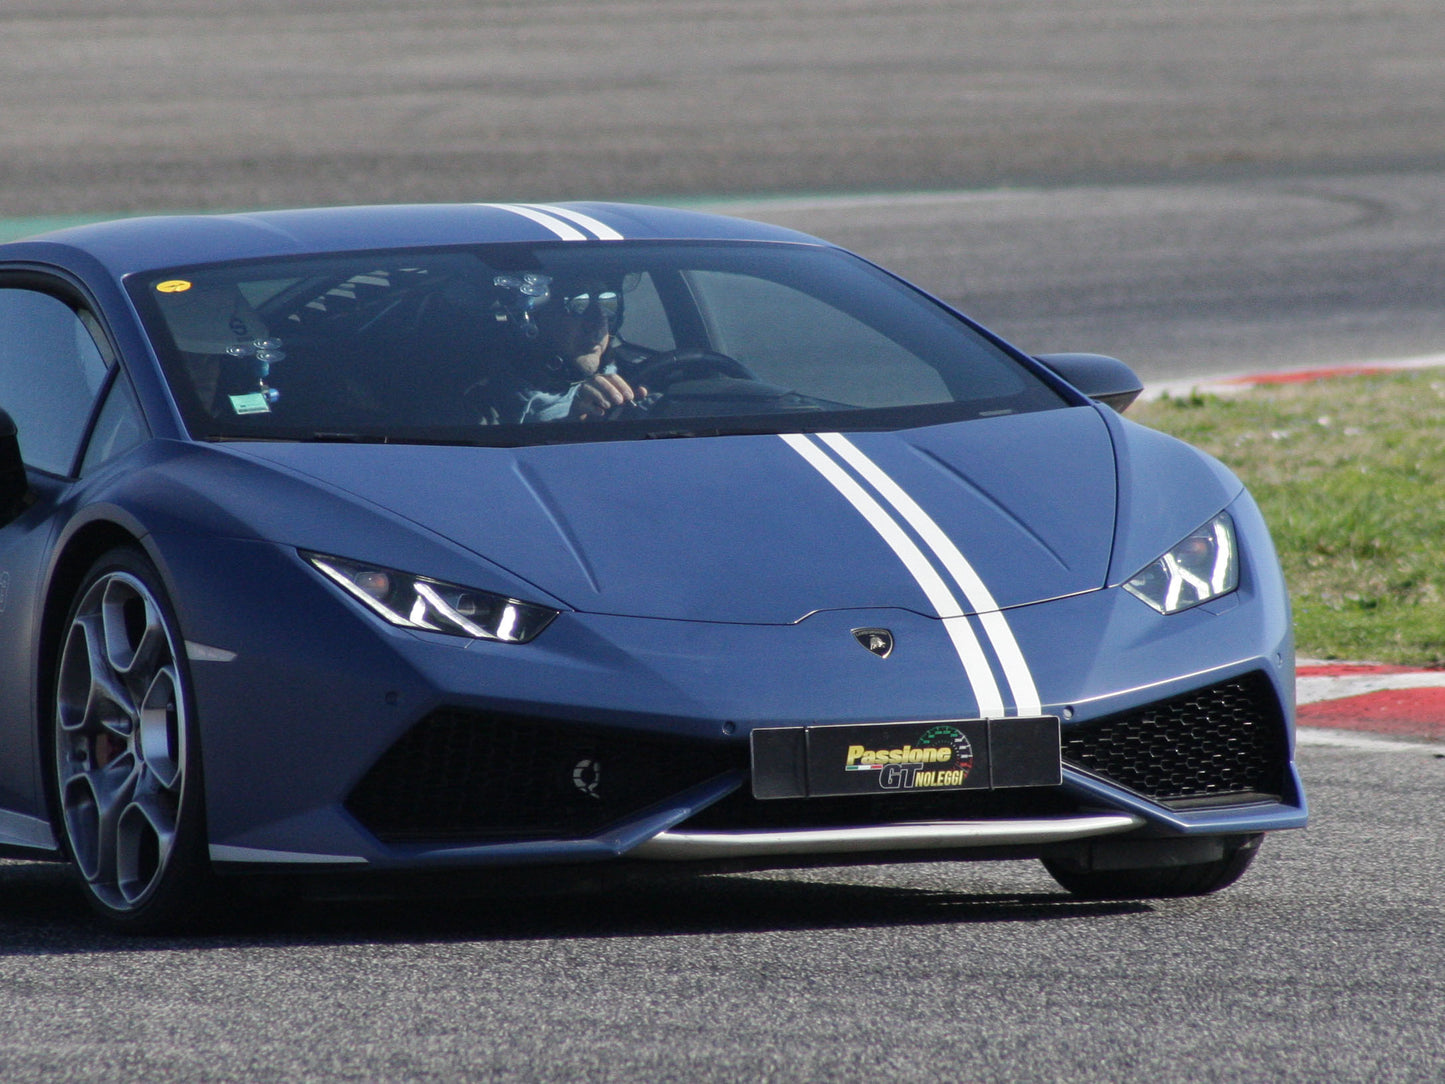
(905, 758)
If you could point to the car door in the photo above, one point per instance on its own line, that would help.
(55, 366)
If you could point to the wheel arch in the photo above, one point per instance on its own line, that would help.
(76, 557)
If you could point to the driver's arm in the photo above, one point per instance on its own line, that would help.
(601, 393)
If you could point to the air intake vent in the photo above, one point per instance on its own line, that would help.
(467, 776)
(1223, 742)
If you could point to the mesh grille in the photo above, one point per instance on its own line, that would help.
(1227, 740)
(459, 776)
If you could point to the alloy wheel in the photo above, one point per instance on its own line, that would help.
(121, 732)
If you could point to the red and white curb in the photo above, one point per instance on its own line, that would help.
(1234, 383)
(1389, 703)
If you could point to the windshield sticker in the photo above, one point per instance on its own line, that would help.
(254, 403)
(173, 286)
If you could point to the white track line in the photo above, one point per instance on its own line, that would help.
(1313, 689)
(1314, 737)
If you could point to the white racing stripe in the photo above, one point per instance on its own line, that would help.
(566, 223)
(980, 599)
(603, 231)
(965, 643)
(542, 218)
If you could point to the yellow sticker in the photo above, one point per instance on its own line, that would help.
(173, 286)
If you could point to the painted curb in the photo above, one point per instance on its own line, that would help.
(1398, 701)
(1233, 384)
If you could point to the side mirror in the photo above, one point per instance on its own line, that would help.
(1105, 379)
(14, 486)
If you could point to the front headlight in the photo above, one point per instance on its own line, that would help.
(418, 602)
(1202, 567)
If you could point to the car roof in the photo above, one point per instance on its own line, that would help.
(128, 245)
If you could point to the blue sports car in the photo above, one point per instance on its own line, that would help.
(440, 538)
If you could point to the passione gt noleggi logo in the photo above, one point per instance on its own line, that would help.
(941, 757)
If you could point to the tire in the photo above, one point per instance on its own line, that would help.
(126, 759)
(1158, 881)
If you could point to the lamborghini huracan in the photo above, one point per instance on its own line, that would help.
(387, 540)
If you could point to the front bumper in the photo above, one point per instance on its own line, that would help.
(301, 722)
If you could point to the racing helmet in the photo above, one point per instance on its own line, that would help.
(524, 296)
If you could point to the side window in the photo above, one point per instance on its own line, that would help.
(645, 321)
(118, 429)
(50, 373)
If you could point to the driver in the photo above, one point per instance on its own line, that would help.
(564, 372)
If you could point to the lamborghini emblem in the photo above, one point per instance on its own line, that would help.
(878, 641)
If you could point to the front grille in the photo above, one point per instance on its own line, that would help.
(1223, 742)
(488, 777)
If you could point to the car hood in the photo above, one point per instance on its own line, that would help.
(944, 520)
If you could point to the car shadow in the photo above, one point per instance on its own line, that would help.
(43, 913)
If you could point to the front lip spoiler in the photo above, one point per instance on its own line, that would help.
(683, 845)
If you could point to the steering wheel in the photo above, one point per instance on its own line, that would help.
(666, 368)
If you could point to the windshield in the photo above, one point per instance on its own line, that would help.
(522, 344)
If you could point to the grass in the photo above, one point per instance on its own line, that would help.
(1350, 474)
